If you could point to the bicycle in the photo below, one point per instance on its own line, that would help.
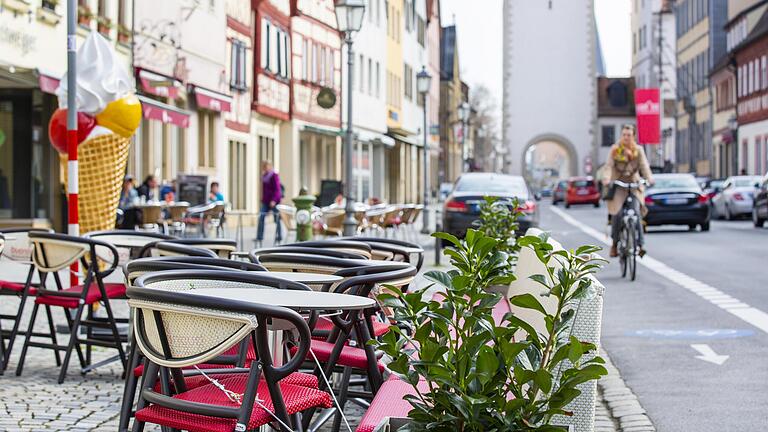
(629, 235)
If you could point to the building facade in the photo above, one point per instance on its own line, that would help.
(434, 29)
(33, 58)
(654, 65)
(451, 162)
(182, 82)
(313, 136)
(615, 108)
(560, 83)
(701, 42)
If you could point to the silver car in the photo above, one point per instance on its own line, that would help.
(736, 197)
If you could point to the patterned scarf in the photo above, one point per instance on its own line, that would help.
(623, 154)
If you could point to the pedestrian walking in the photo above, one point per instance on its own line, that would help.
(215, 195)
(626, 163)
(271, 194)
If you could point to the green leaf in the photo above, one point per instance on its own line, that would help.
(528, 301)
(440, 277)
(487, 364)
(575, 352)
(543, 379)
(448, 237)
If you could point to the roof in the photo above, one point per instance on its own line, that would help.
(760, 30)
(447, 52)
(599, 60)
(615, 97)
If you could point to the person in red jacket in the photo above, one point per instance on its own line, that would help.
(271, 194)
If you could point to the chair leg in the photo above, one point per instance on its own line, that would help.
(129, 391)
(17, 319)
(343, 388)
(88, 336)
(27, 340)
(52, 329)
(73, 340)
(113, 326)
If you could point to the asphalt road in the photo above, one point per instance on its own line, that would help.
(650, 325)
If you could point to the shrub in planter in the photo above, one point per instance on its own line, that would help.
(498, 220)
(479, 377)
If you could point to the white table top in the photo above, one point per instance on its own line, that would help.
(307, 278)
(305, 300)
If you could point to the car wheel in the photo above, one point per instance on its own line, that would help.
(691, 227)
(704, 226)
(567, 205)
(554, 202)
(756, 220)
(597, 204)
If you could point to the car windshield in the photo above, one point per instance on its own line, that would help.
(583, 183)
(675, 182)
(746, 181)
(512, 186)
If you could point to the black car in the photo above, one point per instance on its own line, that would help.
(462, 207)
(677, 199)
(760, 209)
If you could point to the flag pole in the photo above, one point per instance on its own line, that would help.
(73, 227)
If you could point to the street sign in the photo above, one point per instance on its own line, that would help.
(692, 334)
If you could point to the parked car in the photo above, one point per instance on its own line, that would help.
(760, 207)
(582, 190)
(712, 187)
(546, 191)
(736, 197)
(462, 207)
(445, 190)
(558, 193)
(677, 199)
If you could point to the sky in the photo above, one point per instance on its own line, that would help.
(480, 38)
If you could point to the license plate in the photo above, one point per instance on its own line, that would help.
(582, 192)
(676, 201)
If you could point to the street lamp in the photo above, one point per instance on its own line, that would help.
(349, 18)
(463, 111)
(733, 125)
(423, 84)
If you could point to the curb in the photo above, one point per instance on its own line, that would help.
(623, 407)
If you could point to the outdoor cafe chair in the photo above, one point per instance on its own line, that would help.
(129, 241)
(53, 252)
(296, 249)
(399, 250)
(338, 245)
(175, 214)
(288, 218)
(224, 248)
(175, 330)
(170, 248)
(332, 223)
(16, 251)
(151, 217)
(223, 366)
(207, 216)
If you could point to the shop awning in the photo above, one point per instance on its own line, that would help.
(412, 140)
(212, 100)
(48, 84)
(322, 131)
(374, 138)
(165, 113)
(159, 85)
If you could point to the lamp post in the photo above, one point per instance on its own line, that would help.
(349, 18)
(463, 111)
(733, 125)
(423, 83)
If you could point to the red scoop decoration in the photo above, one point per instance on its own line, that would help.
(57, 129)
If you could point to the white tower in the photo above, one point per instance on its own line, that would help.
(551, 60)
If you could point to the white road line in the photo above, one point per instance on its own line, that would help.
(714, 296)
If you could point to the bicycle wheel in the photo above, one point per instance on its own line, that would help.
(622, 246)
(632, 249)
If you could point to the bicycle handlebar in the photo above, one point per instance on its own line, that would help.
(630, 185)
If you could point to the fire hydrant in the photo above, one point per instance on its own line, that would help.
(303, 204)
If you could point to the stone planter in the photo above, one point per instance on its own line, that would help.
(392, 424)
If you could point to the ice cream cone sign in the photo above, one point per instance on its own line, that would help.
(108, 115)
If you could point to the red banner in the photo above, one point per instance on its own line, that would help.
(648, 112)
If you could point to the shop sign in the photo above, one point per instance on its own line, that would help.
(326, 98)
(18, 39)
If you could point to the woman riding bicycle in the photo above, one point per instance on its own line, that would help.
(626, 163)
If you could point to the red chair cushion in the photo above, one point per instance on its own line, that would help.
(297, 399)
(350, 356)
(16, 287)
(139, 370)
(296, 378)
(389, 402)
(326, 325)
(114, 290)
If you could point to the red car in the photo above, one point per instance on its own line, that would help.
(582, 190)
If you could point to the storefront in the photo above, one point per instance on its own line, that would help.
(369, 165)
(404, 167)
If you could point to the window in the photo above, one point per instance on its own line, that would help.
(378, 81)
(758, 155)
(377, 9)
(206, 139)
(362, 74)
(314, 62)
(764, 72)
(237, 69)
(322, 66)
(305, 60)
(608, 136)
(421, 30)
(408, 88)
(266, 149)
(286, 55)
(266, 37)
(331, 67)
(238, 184)
(370, 77)
(122, 15)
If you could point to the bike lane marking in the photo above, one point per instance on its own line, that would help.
(714, 296)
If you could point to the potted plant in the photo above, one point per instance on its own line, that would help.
(103, 25)
(479, 377)
(498, 220)
(123, 34)
(84, 16)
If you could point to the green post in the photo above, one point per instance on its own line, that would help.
(303, 204)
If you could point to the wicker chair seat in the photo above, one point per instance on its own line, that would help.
(324, 325)
(389, 402)
(114, 290)
(297, 399)
(195, 381)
